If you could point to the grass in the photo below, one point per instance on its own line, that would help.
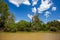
(29, 36)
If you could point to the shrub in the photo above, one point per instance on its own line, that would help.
(54, 29)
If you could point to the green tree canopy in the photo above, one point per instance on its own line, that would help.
(53, 25)
(23, 25)
(36, 23)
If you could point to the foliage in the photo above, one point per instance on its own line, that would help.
(44, 28)
(7, 22)
(4, 13)
(23, 26)
(36, 23)
(53, 25)
(6, 18)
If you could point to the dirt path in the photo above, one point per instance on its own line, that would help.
(30, 36)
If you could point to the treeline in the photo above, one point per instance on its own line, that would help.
(7, 23)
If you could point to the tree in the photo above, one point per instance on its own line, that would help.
(10, 24)
(36, 23)
(53, 25)
(4, 13)
(23, 26)
(7, 22)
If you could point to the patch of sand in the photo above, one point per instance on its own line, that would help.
(29, 36)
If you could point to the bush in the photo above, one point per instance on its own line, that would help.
(23, 25)
(44, 27)
(54, 29)
(10, 28)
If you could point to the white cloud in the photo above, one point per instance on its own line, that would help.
(26, 2)
(45, 5)
(19, 2)
(34, 10)
(58, 20)
(34, 2)
(53, 8)
(30, 16)
(47, 13)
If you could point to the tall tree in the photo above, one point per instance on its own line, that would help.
(4, 13)
(36, 22)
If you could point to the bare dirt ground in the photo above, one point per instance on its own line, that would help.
(30, 36)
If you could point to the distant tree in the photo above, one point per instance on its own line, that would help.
(23, 26)
(36, 23)
(44, 27)
(53, 25)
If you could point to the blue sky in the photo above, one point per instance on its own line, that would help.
(22, 10)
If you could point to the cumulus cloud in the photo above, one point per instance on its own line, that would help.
(34, 2)
(30, 16)
(26, 2)
(19, 2)
(47, 13)
(45, 5)
(53, 8)
(34, 10)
